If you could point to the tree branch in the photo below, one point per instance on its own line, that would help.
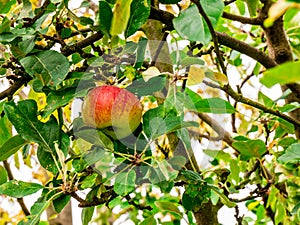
(9, 92)
(217, 127)
(68, 50)
(246, 49)
(223, 39)
(246, 20)
(104, 198)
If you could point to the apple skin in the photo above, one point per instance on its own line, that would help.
(115, 111)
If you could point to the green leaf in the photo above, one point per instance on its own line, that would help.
(224, 199)
(157, 126)
(217, 154)
(5, 5)
(37, 209)
(162, 171)
(89, 181)
(5, 25)
(292, 154)
(24, 118)
(186, 22)
(87, 214)
(190, 18)
(296, 209)
(214, 105)
(168, 207)
(280, 212)
(125, 183)
(141, 88)
(251, 148)
(148, 221)
(105, 17)
(49, 66)
(140, 52)
(52, 134)
(23, 47)
(19, 189)
(252, 6)
(60, 202)
(6, 127)
(188, 61)
(139, 13)
(282, 74)
(58, 99)
(95, 137)
(190, 176)
(234, 171)
(11, 146)
(3, 175)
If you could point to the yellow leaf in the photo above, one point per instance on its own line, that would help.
(196, 75)
(277, 10)
(150, 73)
(136, 36)
(253, 205)
(221, 78)
(121, 15)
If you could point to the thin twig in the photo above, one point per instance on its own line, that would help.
(158, 50)
(38, 15)
(217, 127)
(240, 98)
(213, 35)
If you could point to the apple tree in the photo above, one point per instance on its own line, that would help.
(218, 127)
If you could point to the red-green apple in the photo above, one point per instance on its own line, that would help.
(115, 111)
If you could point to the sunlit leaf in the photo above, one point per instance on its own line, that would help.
(121, 15)
(95, 137)
(150, 73)
(3, 175)
(196, 75)
(282, 74)
(252, 6)
(5, 5)
(149, 221)
(214, 105)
